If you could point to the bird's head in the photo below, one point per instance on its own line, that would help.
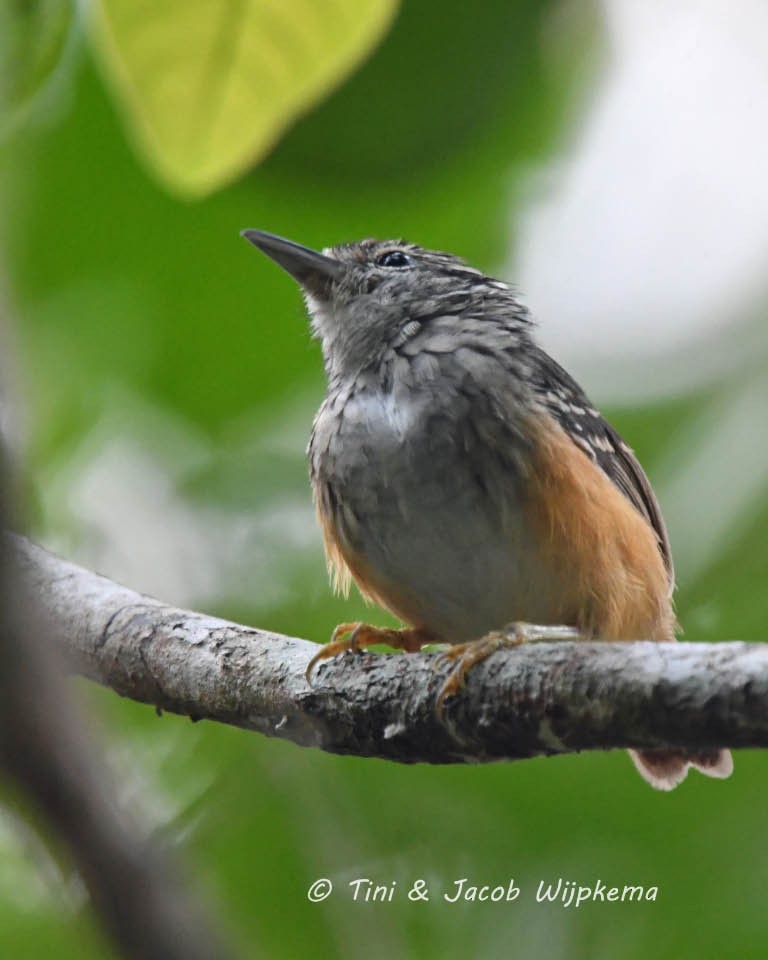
(365, 297)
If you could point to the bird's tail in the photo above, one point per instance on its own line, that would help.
(665, 769)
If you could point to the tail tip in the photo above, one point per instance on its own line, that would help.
(666, 769)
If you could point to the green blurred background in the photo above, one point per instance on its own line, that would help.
(164, 388)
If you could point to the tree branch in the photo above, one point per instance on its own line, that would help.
(541, 698)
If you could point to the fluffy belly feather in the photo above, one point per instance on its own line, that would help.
(415, 518)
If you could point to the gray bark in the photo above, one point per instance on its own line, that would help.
(540, 698)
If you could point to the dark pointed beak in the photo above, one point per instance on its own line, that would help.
(314, 271)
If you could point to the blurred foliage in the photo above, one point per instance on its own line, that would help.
(33, 34)
(170, 383)
(207, 88)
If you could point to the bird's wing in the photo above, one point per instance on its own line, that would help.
(569, 405)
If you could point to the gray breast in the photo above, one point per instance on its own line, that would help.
(426, 487)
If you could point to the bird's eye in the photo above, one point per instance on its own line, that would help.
(393, 258)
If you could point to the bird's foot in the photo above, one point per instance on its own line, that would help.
(464, 656)
(356, 636)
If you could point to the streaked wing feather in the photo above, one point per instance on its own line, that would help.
(570, 406)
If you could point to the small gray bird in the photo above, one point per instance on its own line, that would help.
(463, 479)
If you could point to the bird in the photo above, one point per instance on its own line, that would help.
(463, 479)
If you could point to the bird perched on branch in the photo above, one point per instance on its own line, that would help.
(463, 479)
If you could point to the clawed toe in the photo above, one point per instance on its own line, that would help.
(464, 656)
(356, 636)
(343, 638)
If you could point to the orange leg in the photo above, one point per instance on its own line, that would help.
(464, 656)
(356, 636)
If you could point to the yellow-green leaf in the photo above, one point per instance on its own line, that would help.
(208, 86)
